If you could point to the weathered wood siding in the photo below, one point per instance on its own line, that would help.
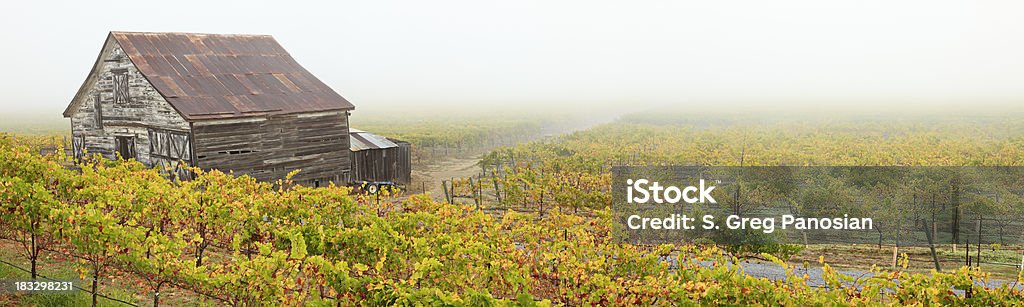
(403, 163)
(385, 164)
(139, 114)
(268, 148)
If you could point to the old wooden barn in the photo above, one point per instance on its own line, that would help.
(237, 103)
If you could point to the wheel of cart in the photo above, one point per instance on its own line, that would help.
(374, 187)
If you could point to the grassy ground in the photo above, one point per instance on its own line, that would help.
(59, 272)
(122, 286)
(1000, 261)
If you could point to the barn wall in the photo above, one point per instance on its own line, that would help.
(370, 165)
(137, 117)
(403, 171)
(268, 148)
(383, 164)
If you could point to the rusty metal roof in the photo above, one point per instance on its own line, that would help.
(362, 140)
(206, 76)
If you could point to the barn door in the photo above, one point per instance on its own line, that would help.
(125, 145)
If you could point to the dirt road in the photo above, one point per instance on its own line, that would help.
(428, 176)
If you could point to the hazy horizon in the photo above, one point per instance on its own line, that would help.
(472, 56)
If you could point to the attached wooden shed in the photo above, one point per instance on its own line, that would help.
(237, 103)
(379, 159)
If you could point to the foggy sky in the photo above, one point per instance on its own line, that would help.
(478, 54)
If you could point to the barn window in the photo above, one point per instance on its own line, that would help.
(98, 105)
(120, 79)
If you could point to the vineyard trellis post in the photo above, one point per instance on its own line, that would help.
(967, 252)
(472, 189)
(444, 188)
(1022, 262)
(895, 256)
(978, 258)
(931, 245)
(497, 192)
(955, 202)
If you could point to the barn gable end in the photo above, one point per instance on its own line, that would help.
(117, 103)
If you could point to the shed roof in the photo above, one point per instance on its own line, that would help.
(227, 75)
(362, 140)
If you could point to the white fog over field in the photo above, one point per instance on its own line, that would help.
(456, 56)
